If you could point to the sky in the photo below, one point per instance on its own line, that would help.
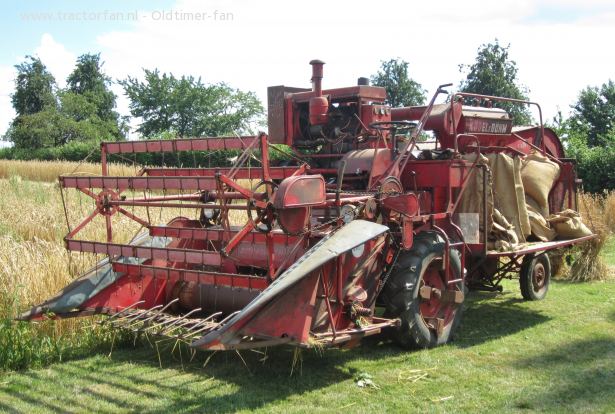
(560, 46)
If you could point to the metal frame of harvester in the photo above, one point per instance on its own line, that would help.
(353, 223)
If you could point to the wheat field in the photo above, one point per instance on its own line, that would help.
(49, 171)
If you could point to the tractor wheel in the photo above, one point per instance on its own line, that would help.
(535, 276)
(416, 293)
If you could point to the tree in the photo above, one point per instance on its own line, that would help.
(493, 73)
(47, 117)
(34, 87)
(88, 98)
(401, 89)
(594, 114)
(88, 80)
(188, 107)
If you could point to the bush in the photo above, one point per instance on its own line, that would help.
(596, 167)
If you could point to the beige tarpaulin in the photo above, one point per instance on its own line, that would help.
(540, 227)
(568, 225)
(539, 175)
(508, 194)
(472, 198)
(517, 200)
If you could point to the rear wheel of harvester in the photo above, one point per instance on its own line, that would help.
(535, 276)
(418, 294)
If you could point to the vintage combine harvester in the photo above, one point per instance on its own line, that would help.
(369, 227)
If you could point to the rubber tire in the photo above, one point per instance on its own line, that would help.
(401, 293)
(525, 276)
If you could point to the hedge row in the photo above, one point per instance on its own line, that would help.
(596, 166)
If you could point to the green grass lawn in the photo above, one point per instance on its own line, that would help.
(557, 355)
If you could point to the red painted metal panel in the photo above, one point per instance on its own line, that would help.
(189, 144)
(211, 278)
(218, 234)
(301, 191)
(161, 253)
(140, 183)
(277, 173)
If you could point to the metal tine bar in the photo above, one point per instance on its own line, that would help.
(133, 315)
(208, 319)
(228, 317)
(192, 332)
(213, 325)
(177, 320)
(201, 326)
(156, 314)
(161, 310)
(199, 322)
(173, 321)
(145, 313)
(126, 309)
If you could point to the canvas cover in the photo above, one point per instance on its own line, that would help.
(518, 201)
(568, 225)
(539, 175)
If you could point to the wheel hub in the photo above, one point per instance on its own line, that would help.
(538, 276)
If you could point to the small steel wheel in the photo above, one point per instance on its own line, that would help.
(535, 276)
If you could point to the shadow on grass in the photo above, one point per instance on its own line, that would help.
(491, 316)
(132, 378)
(583, 376)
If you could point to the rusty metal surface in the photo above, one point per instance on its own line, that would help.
(346, 238)
(188, 144)
(309, 259)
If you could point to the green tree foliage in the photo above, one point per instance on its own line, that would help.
(187, 107)
(34, 87)
(594, 115)
(89, 81)
(48, 118)
(493, 73)
(589, 136)
(401, 89)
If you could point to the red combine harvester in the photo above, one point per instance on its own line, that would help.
(369, 227)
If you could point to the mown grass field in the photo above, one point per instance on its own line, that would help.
(557, 355)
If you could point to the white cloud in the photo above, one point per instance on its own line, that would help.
(7, 85)
(268, 45)
(59, 61)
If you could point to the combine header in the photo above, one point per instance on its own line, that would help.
(369, 227)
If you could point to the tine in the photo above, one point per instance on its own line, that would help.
(180, 319)
(159, 311)
(184, 321)
(211, 326)
(173, 321)
(205, 321)
(126, 309)
(129, 317)
(223, 321)
(199, 327)
(193, 323)
(140, 313)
